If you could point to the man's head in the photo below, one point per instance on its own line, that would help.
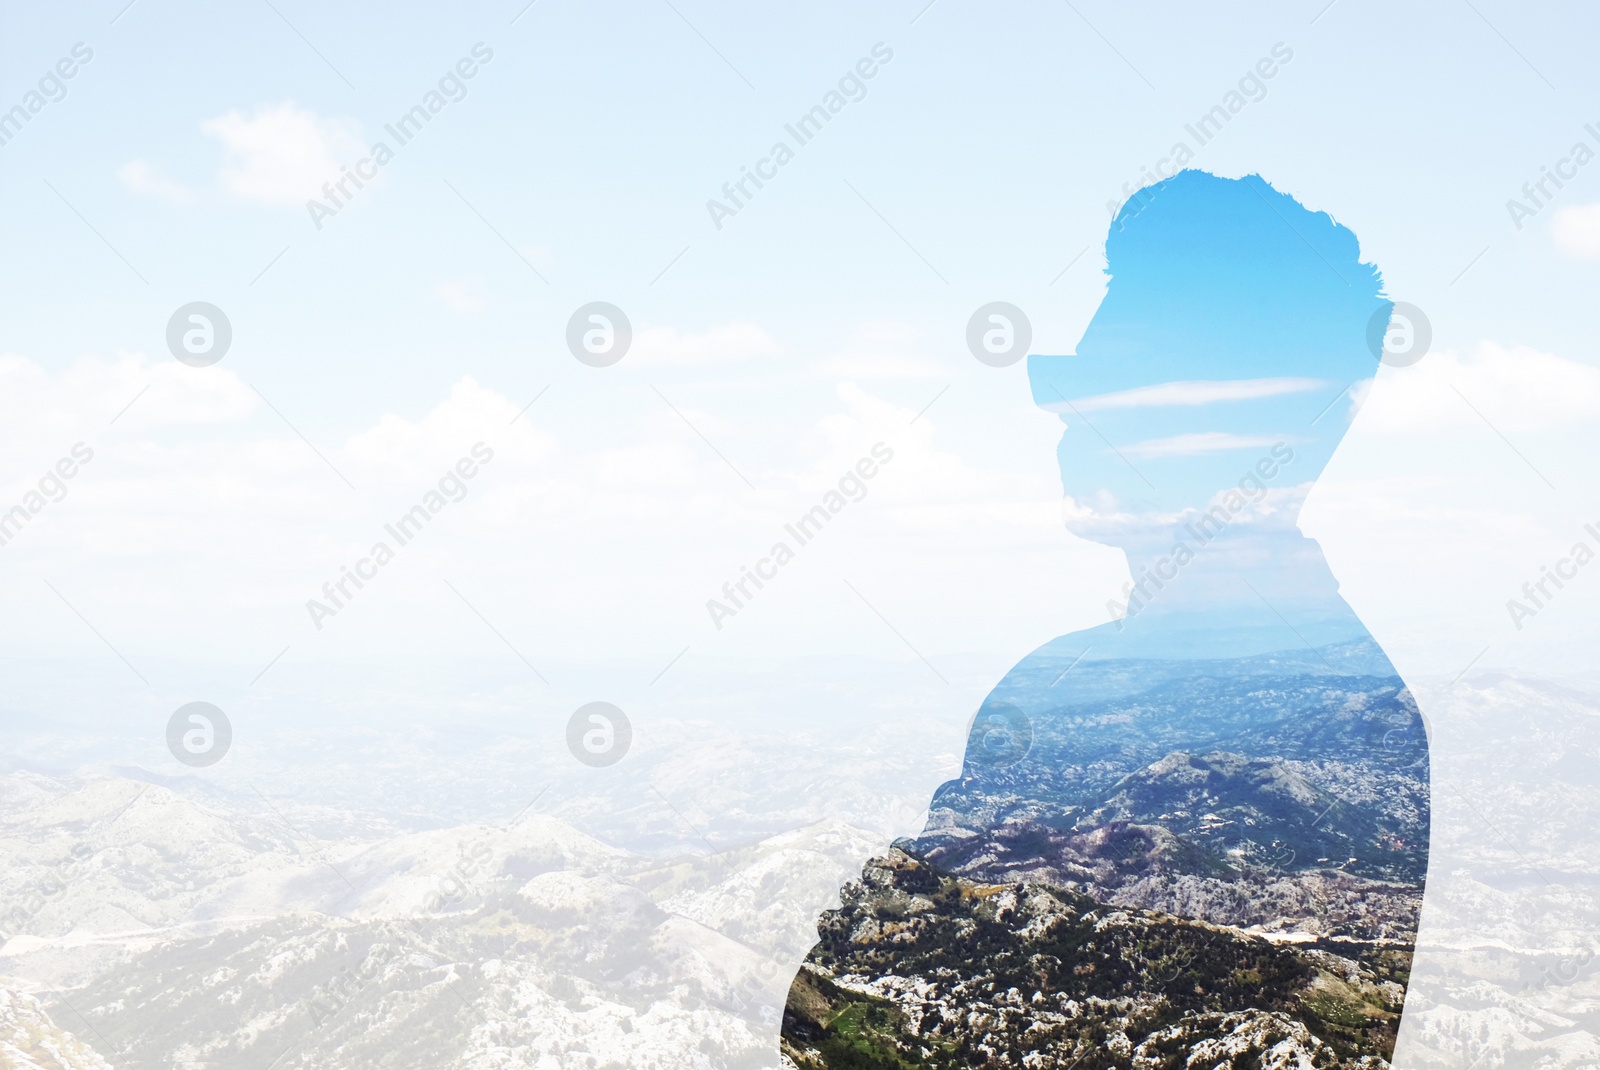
(1233, 320)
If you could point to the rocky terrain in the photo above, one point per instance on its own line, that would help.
(1221, 837)
(146, 930)
(920, 968)
(29, 1040)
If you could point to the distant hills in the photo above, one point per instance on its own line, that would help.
(1288, 791)
(151, 931)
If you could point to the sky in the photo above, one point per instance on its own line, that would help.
(376, 346)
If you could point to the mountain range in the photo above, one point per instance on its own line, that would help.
(1273, 809)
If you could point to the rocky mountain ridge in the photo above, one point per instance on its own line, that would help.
(922, 968)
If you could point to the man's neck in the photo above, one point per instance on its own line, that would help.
(1239, 589)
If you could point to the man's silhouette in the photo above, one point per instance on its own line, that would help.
(1201, 827)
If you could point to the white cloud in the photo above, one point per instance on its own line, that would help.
(727, 342)
(1195, 392)
(610, 509)
(403, 452)
(91, 393)
(283, 154)
(607, 506)
(142, 178)
(1577, 231)
(1515, 388)
(1462, 477)
(1202, 442)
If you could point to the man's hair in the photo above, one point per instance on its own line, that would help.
(1186, 214)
